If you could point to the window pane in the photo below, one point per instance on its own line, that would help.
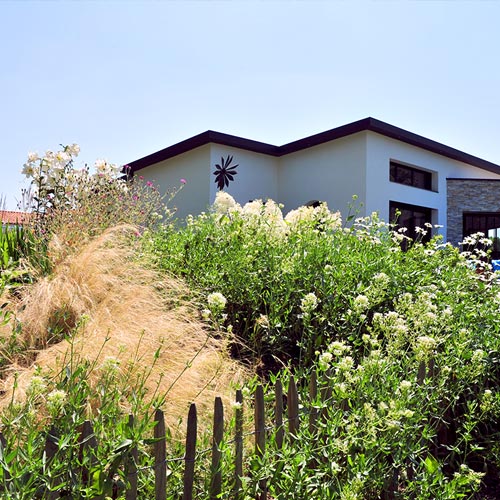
(410, 176)
(411, 216)
(419, 179)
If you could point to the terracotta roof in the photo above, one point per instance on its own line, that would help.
(367, 124)
(12, 217)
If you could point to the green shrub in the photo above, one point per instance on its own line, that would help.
(266, 268)
(306, 292)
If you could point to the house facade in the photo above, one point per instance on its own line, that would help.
(386, 167)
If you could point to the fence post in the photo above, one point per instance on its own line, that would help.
(238, 440)
(421, 373)
(313, 394)
(131, 466)
(326, 396)
(260, 435)
(216, 479)
(280, 431)
(160, 457)
(51, 448)
(6, 475)
(326, 403)
(189, 458)
(88, 444)
(293, 408)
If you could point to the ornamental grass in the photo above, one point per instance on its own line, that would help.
(101, 304)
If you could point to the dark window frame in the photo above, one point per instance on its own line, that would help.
(410, 176)
(406, 209)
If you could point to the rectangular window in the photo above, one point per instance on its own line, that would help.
(487, 223)
(410, 176)
(411, 217)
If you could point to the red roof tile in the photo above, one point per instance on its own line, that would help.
(11, 217)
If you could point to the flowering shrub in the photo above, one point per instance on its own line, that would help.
(75, 203)
(408, 341)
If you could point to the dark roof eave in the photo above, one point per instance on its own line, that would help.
(202, 139)
(380, 127)
(366, 124)
(430, 145)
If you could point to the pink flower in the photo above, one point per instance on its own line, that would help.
(183, 181)
(149, 184)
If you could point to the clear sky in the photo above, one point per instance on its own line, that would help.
(125, 79)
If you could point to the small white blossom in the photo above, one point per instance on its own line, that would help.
(37, 386)
(55, 401)
(324, 360)
(345, 364)
(405, 385)
(110, 364)
(338, 348)
(33, 157)
(73, 149)
(217, 301)
(361, 303)
(425, 346)
(224, 203)
(309, 303)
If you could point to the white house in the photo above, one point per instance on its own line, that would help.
(388, 168)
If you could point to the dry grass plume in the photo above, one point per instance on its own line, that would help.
(117, 308)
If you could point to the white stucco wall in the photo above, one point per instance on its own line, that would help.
(257, 174)
(194, 166)
(331, 172)
(381, 150)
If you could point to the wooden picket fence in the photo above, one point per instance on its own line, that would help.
(286, 417)
(283, 418)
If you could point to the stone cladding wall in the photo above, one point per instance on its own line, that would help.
(469, 195)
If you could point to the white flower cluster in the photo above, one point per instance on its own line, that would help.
(319, 216)
(55, 181)
(103, 168)
(55, 401)
(309, 303)
(224, 204)
(369, 228)
(110, 365)
(52, 166)
(392, 324)
(217, 301)
(37, 386)
(335, 349)
(361, 303)
(424, 347)
(268, 215)
(474, 239)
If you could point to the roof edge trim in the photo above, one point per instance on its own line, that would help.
(366, 124)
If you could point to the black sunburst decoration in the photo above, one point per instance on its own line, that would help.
(224, 172)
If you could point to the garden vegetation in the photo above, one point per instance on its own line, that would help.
(405, 344)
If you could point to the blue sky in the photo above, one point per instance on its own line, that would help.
(124, 79)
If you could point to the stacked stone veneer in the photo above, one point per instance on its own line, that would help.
(469, 195)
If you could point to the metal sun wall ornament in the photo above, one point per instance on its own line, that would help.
(225, 172)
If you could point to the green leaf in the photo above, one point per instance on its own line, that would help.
(431, 464)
